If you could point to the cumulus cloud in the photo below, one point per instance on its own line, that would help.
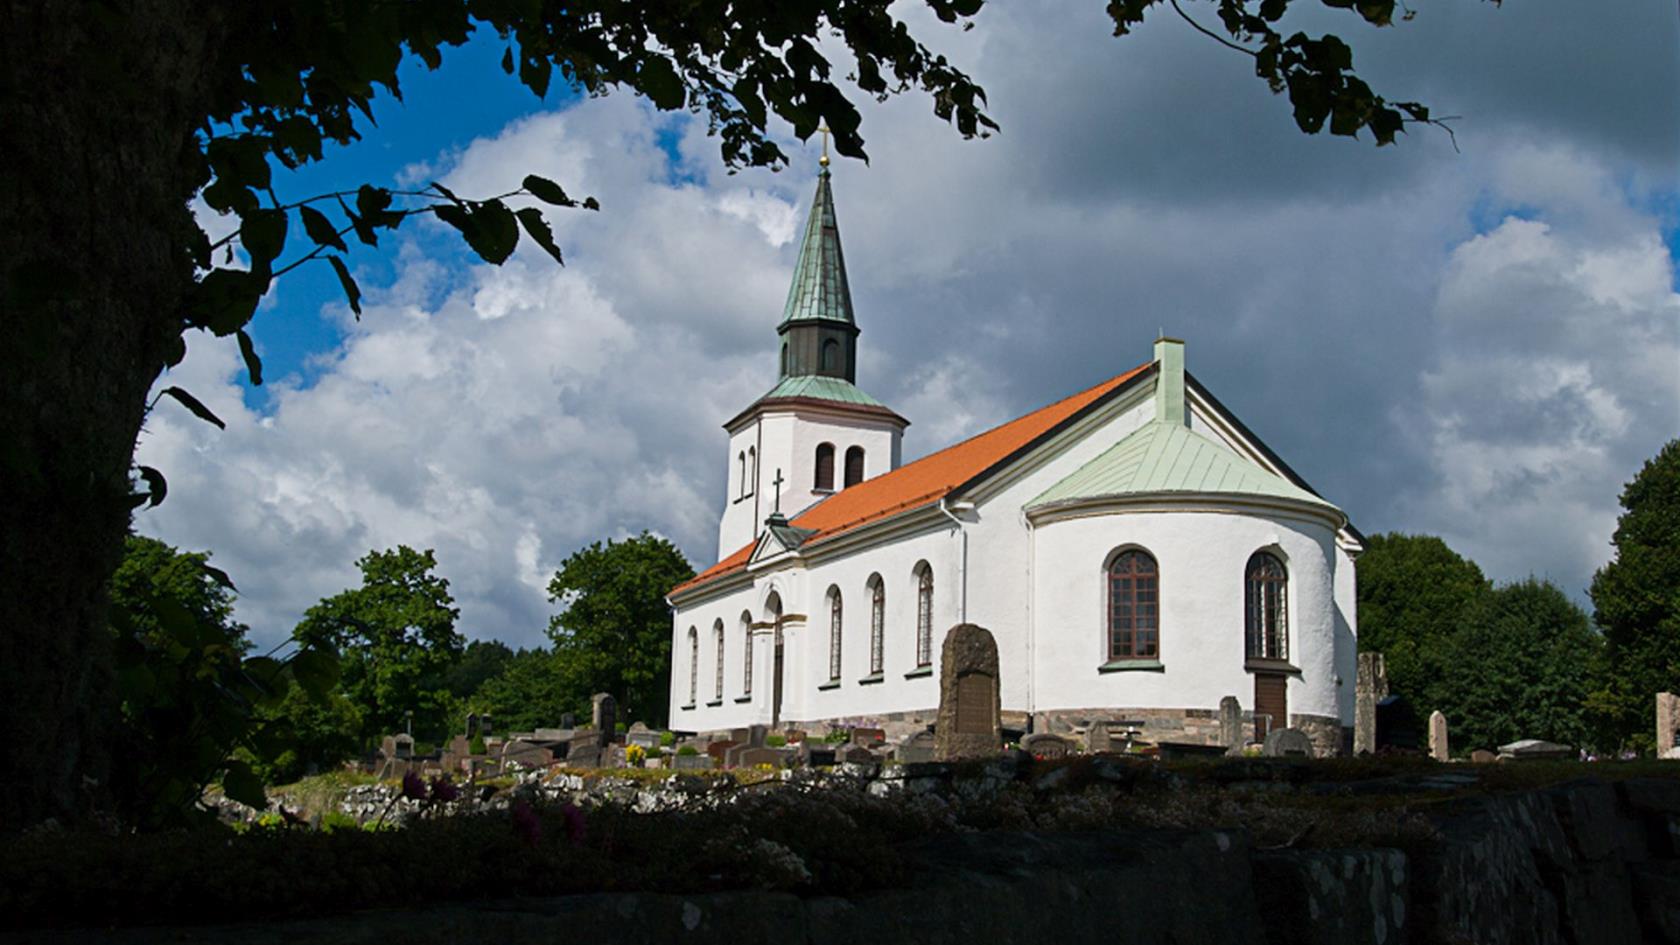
(1480, 344)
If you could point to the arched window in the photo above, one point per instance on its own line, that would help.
(1134, 607)
(741, 483)
(831, 355)
(1266, 610)
(717, 632)
(924, 615)
(693, 664)
(825, 467)
(854, 465)
(752, 469)
(877, 623)
(834, 633)
(746, 639)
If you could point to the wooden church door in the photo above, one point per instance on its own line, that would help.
(776, 696)
(1271, 703)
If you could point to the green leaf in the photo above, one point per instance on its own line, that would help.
(535, 72)
(240, 783)
(364, 230)
(532, 219)
(263, 234)
(192, 403)
(218, 575)
(316, 670)
(548, 191)
(320, 229)
(351, 290)
(658, 80)
(156, 486)
(590, 203)
(372, 202)
(499, 232)
(253, 364)
(225, 299)
(174, 617)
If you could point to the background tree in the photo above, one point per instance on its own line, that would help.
(1414, 594)
(613, 633)
(530, 692)
(113, 117)
(480, 662)
(397, 642)
(1636, 600)
(320, 733)
(1520, 665)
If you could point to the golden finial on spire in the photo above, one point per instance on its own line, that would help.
(823, 130)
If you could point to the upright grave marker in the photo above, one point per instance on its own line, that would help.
(1370, 688)
(1668, 720)
(1231, 724)
(1438, 736)
(970, 717)
(604, 716)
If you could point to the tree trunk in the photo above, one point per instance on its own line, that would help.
(99, 104)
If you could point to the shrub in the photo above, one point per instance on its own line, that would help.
(667, 739)
(688, 751)
(838, 736)
(775, 741)
(477, 747)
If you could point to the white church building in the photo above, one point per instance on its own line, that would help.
(1137, 553)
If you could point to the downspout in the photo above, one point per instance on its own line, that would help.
(1032, 593)
(962, 574)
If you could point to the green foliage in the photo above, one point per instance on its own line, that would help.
(1521, 667)
(1413, 595)
(530, 693)
(775, 741)
(1636, 600)
(667, 739)
(397, 642)
(481, 661)
(688, 751)
(323, 730)
(614, 631)
(191, 702)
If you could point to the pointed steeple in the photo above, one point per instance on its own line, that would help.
(819, 289)
(819, 334)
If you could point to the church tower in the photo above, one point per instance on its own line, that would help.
(815, 432)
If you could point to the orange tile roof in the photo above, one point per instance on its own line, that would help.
(926, 480)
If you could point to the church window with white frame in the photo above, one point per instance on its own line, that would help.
(717, 632)
(924, 615)
(693, 664)
(1266, 607)
(746, 640)
(877, 624)
(1134, 606)
(834, 618)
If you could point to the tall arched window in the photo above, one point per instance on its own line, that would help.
(717, 632)
(752, 469)
(825, 467)
(1134, 607)
(1266, 611)
(877, 623)
(924, 615)
(741, 483)
(834, 633)
(831, 355)
(746, 639)
(693, 664)
(854, 465)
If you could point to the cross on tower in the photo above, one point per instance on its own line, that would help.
(823, 130)
(777, 482)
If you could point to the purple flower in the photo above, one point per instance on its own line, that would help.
(413, 787)
(444, 790)
(574, 822)
(526, 823)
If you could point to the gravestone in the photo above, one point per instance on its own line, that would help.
(1231, 724)
(472, 724)
(1534, 749)
(1482, 756)
(868, 736)
(970, 710)
(1438, 736)
(756, 735)
(1046, 747)
(604, 715)
(691, 762)
(585, 752)
(754, 755)
(1369, 688)
(915, 748)
(568, 720)
(856, 755)
(640, 734)
(717, 750)
(530, 754)
(816, 754)
(1397, 725)
(1668, 721)
(399, 746)
(486, 725)
(1286, 743)
(1099, 737)
(612, 756)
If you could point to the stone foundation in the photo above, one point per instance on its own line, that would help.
(1188, 726)
(1326, 732)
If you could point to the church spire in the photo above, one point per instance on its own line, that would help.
(819, 334)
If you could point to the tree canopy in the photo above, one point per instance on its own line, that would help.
(1636, 598)
(613, 632)
(1414, 593)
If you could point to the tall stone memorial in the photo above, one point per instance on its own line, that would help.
(970, 717)
(1370, 687)
(1668, 720)
(1231, 725)
(604, 716)
(1438, 736)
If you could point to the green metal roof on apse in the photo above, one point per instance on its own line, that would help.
(819, 290)
(1170, 457)
(837, 389)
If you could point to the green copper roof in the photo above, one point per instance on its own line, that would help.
(819, 289)
(837, 389)
(1170, 457)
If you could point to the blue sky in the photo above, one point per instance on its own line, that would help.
(1482, 344)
